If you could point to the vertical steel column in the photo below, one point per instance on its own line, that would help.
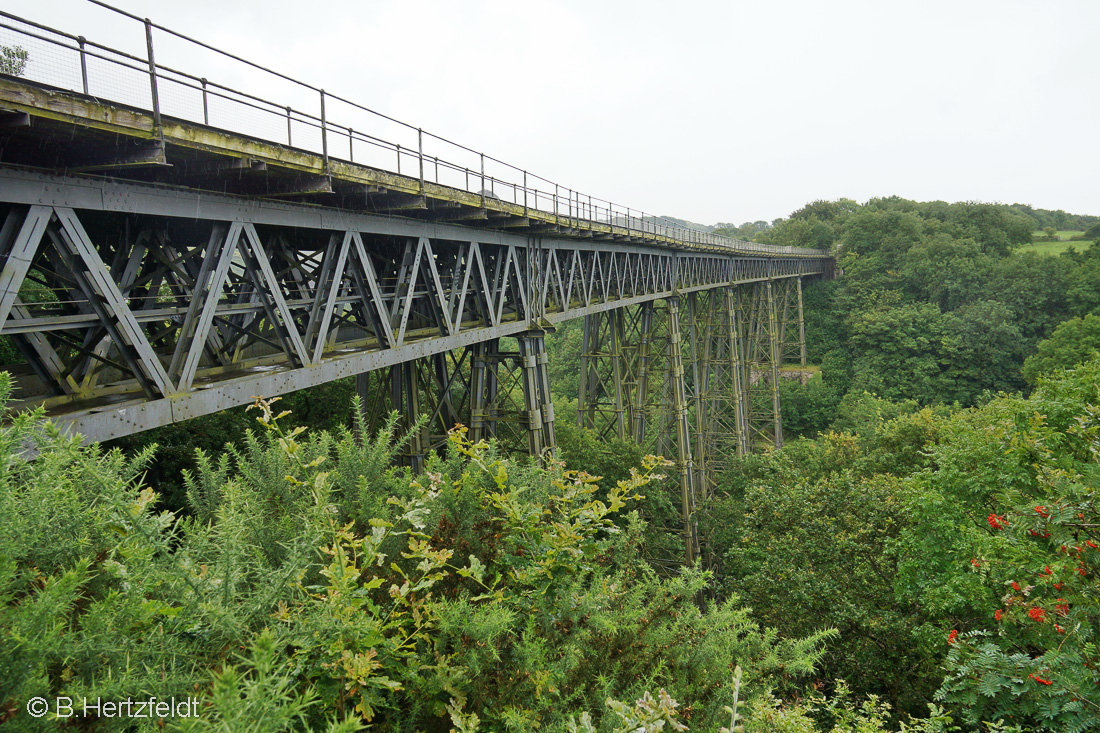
(776, 357)
(538, 408)
(706, 411)
(362, 389)
(615, 339)
(531, 401)
(601, 401)
(483, 386)
(783, 312)
(723, 430)
(640, 400)
(739, 367)
(583, 420)
(685, 464)
(550, 440)
(405, 394)
(696, 380)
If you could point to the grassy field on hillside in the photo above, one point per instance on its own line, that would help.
(1055, 248)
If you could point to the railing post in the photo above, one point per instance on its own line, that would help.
(153, 80)
(289, 139)
(83, 63)
(420, 153)
(398, 159)
(482, 179)
(525, 193)
(205, 104)
(555, 204)
(324, 135)
(351, 145)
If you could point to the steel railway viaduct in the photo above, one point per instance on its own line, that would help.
(166, 255)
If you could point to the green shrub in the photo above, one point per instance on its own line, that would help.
(485, 592)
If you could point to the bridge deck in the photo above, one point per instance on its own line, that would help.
(50, 128)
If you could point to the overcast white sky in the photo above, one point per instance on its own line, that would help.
(709, 111)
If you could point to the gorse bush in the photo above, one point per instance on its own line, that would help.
(486, 593)
(315, 586)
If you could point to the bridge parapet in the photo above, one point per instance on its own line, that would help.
(141, 115)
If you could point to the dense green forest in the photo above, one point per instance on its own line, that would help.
(924, 556)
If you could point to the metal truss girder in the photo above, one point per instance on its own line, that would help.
(197, 322)
(369, 291)
(19, 249)
(42, 357)
(265, 287)
(324, 300)
(137, 414)
(105, 298)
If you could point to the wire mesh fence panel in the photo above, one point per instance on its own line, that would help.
(230, 114)
(114, 78)
(376, 139)
(180, 98)
(305, 134)
(47, 60)
(455, 176)
(375, 153)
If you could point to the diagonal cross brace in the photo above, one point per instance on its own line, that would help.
(111, 307)
(272, 298)
(197, 323)
(24, 246)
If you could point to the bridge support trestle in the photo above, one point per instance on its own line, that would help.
(717, 354)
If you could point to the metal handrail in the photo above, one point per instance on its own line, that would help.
(531, 190)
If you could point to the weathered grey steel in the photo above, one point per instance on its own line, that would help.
(682, 429)
(733, 331)
(602, 389)
(740, 376)
(539, 407)
(218, 301)
(720, 423)
(483, 392)
(640, 403)
(775, 357)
